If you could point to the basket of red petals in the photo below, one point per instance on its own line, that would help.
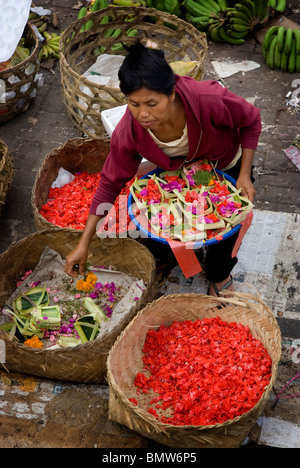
(68, 206)
(195, 371)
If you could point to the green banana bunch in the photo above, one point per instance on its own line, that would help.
(40, 22)
(210, 16)
(245, 16)
(130, 3)
(50, 47)
(281, 48)
(278, 5)
(224, 23)
(172, 7)
(84, 11)
(205, 8)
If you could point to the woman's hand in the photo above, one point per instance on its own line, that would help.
(244, 181)
(248, 190)
(78, 256)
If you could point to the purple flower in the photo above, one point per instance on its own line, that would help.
(215, 198)
(107, 310)
(190, 179)
(94, 294)
(171, 186)
(144, 192)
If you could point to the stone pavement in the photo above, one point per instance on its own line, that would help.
(269, 261)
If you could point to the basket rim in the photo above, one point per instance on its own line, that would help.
(111, 8)
(28, 59)
(163, 427)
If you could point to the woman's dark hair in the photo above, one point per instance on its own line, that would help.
(145, 67)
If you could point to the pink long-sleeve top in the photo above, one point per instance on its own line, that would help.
(218, 122)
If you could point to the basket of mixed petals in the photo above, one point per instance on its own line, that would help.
(57, 327)
(194, 371)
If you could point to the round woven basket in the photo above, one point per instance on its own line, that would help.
(87, 362)
(20, 81)
(84, 99)
(6, 173)
(125, 360)
(77, 154)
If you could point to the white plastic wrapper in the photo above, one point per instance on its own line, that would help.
(13, 18)
(63, 177)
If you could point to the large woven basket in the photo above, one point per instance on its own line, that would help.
(6, 172)
(21, 80)
(125, 360)
(83, 98)
(86, 362)
(78, 154)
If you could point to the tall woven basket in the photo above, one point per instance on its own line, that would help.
(86, 362)
(21, 81)
(125, 360)
(77, 154)
(6, 173)
(84, 99)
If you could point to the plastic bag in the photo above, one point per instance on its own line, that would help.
(105, 70)
(63, 177)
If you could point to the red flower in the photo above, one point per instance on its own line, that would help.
(213, 217)
(203, 372)
(69, 206)
(220, 188)
(169, 178)
(150, 193)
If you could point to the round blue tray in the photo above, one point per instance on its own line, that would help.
(164, 241)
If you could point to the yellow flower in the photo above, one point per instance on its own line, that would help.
(87, 284)
(34, 342)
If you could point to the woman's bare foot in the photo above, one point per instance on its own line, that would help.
(215, 289)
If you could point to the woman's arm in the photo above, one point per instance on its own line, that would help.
(79, 254)
(244, 179)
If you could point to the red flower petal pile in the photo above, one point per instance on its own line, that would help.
(203, 372)
(69, 206)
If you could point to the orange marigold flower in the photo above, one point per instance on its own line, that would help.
(88, 283)
(34, 342)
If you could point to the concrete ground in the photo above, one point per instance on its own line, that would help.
(269, 257)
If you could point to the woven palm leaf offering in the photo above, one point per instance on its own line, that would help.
(64, 312)
(199, 370)
(60, 327)
(194, 203)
